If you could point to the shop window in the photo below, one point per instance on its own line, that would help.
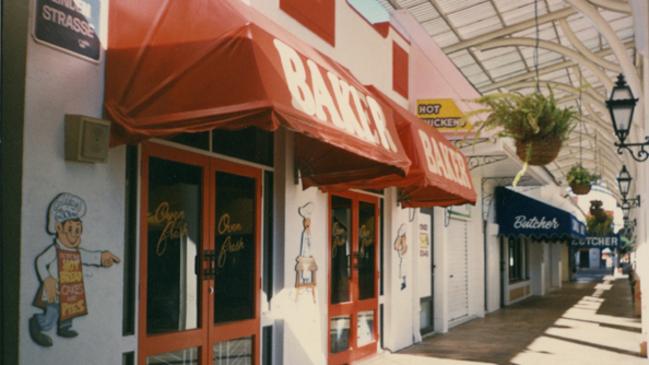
(128, 358)
(518, 261)
(173, 241)
(181, 357)
(130, 241)
(199, 140)
(339, 333)
(267, 348)
(250, 144)
(365, 328)
(232, 352)
(340, 249)
(319, 16)
(235, 226)
(267, 283)
(366, 250)
(399, 70)
(381, 249)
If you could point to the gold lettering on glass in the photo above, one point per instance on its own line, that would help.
(173, 223)
(229, 245)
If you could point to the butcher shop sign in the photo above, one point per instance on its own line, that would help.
(69, 25)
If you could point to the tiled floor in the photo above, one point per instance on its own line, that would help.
(582, 323)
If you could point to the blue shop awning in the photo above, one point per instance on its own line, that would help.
(520, 215)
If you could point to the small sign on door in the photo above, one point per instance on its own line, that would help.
(69, 25)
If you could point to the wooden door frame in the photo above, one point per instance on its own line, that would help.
(149, 345)
(207, 333)
(352, 307)
(248, 327)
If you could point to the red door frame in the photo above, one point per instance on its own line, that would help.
(208, 333)
(354, 306)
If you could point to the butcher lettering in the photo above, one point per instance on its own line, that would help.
(522, 222)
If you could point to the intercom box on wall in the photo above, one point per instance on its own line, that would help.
(86, 138)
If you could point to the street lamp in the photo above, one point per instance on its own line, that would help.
(626, 208)
(621, 105)
(624, 182)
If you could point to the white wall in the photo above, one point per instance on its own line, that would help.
(58, 83)
(358, 44)
(557, 267)
(494, 279)
(537, 270)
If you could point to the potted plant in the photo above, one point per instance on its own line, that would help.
(580, 179)
(534, 121)
(599, 222)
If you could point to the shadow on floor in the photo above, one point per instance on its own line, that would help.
(618, 301)
(591, 319)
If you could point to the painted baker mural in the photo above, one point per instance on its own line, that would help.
(61, 294)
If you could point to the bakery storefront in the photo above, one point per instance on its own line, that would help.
(249, 206)
(203, 216)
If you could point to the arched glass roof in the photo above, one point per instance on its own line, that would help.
(582, 45)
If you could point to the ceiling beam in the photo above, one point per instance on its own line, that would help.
(613, 41)
(514, 28)
(613, 5)
(542, 71)
(394, 4)
(565, 51)
(572, 38)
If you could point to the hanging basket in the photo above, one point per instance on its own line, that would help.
(538, 152)
(580, 189)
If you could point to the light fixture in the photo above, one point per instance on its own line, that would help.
(624, 182)
(621, 105)
(626, 208)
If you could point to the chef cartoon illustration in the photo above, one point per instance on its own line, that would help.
(61, 294)
(306, 266)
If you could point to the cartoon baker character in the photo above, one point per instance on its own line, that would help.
(401, 246)
(61, 294)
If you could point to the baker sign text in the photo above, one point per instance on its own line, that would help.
(443, 160)
(352, 110)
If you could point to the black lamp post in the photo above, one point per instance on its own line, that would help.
(621, 105)
(626, 208)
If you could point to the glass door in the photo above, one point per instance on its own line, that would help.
(200, 242)
(353, 285)
(173, 298)
(236, 230)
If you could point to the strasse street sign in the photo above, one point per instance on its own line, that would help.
(69, 25)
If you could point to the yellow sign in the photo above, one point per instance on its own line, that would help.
(442, 114)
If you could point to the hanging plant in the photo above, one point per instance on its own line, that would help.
(534, 121)
(581, 180)
(599, 222)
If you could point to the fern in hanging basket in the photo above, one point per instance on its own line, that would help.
(581, 180)
(534, 121)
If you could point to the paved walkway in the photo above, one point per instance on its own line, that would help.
(588, 323)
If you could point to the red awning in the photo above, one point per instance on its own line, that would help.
(438, 176)
(188, 66)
